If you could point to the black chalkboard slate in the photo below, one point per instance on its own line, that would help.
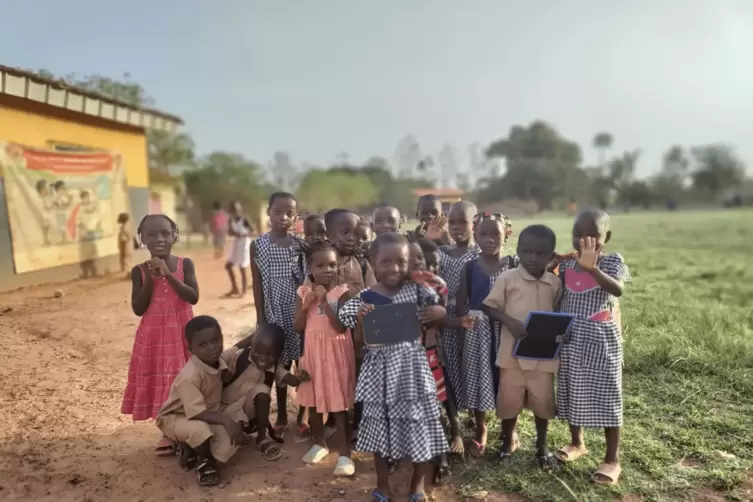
(391, 323)
(545, 330)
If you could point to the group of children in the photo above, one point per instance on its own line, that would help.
(312, 295)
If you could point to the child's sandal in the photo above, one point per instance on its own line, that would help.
(547, 461)
(207, 473)
(418, 497)
(186, 456)
(378, 496)
(303, 434)
(270, 450)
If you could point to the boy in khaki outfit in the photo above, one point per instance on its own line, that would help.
(525, 383)
(192, 413)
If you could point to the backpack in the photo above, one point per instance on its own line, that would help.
(244, 360)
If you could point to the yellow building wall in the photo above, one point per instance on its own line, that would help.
(32, 129)
(165, 194)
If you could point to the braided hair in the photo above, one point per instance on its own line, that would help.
(311, 249)
(504, 220)
(173, 225)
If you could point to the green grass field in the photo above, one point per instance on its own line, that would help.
(688, 375)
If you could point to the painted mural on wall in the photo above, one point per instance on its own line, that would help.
(62, 206)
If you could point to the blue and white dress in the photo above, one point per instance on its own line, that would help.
(401, 413)
(280, 278)
(589, 382)
(450, 270)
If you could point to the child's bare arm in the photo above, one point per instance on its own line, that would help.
(188, 288)
(332, 317)
(141, 293)
(256, 286)
(301, 312)
(246, 342)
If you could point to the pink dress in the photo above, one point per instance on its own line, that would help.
(159, 350)
(329, 358)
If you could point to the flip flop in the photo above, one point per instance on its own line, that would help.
(607, 475)
(165, 447)
(570, 453)
(378, 496)
(270, 449)
(303, 434)
(280, 430)
(315, 455)
(345, 467)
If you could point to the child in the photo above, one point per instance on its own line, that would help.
(386, 219)
(524, 382)
(328, 355)
(481, 343)
(246, 385)
(589, 382)
(240, 250)
(363, 233)
(401, 415)
(164, 290)
(125, 242)
(274, 270)
(452, 261)
(314, 229)
(218, 226)
(432, 220)
(192, 413)
(424, 265)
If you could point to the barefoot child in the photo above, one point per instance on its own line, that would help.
(125, 242)
(589, 382)
(164, 290)
(192, 413)
(328, 356)
(275, 259)
(246, 387)
(481, 343)
(239, 229)
(524, 382)
(401, 414)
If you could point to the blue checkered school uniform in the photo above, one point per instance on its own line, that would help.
(281, 275)
(450, 270)
(589, 382)
(481, 343)
(401, 413)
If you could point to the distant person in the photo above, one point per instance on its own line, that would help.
(363, 233)
(125, 242)
(589, 382)
(386, 219)
(239, 228)
(314, 229)
(163, 295)
(218, 227)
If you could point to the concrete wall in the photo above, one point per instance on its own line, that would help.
(37, 125)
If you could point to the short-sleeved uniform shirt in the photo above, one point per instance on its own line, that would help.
(252, 377)
(197, 388)
(517, 293)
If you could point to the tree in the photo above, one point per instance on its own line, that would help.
(670, 183)
(448, 165)
(283, 173)
(602, 142)
(323, 189)
(541, 165)
(407, 156)
(717, 169)
(166, 149)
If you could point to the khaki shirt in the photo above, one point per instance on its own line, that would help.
(197, 388)
(517, 293)
(250, 378)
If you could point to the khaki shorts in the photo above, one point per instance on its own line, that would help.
(236, 398)
(195, 432)
(520, 389)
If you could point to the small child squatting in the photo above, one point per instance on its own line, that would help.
(525, 383)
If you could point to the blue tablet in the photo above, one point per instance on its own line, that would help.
(545, 332)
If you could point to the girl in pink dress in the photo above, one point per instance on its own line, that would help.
(328, 355)
(164, 290)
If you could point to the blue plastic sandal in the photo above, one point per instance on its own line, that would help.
(418, 497)
(378, 496)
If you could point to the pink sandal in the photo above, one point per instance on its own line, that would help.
(165, 447)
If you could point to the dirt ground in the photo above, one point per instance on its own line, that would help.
(62, 373)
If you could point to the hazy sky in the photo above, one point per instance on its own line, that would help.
(319, 77)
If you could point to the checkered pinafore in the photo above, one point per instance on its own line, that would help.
(279, 268)
(481, 344)
(401, 413)
(450, 270)
(589, 382)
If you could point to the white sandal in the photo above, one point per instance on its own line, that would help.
(345, 467)
(315, 455)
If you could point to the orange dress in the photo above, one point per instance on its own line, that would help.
(328, 358)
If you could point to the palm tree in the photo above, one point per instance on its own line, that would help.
(602, 143)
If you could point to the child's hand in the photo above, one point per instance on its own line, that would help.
(309, 299)
(431, 314)
(321, 293)
(517, 329)
(235, 431)
(467, 322)
(158, 267)
(588, 254)
(364, 309)
(304, 376)
(563, 338)
(292, 380)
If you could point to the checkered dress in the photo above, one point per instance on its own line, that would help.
(481, 344)
(450, 270)
(589, 382)
(401, 413)
(280, 278)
